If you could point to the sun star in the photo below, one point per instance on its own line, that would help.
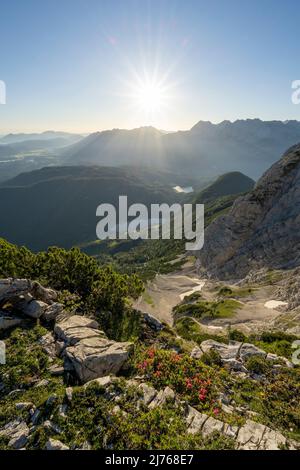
(150, 97)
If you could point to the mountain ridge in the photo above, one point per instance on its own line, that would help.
(249, 146)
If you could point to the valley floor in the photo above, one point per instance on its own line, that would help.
(255, 310)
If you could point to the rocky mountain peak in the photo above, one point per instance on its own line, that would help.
(262, 228)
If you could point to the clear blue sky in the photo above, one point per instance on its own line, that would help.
(73, 64)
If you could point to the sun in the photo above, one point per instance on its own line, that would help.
(150, 97)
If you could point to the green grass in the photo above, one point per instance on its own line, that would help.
(234, 292)
(272, 277)
(204, 309)
(191, 331)
(226, 308)
(148, 299)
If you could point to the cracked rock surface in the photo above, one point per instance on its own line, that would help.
(268, 236)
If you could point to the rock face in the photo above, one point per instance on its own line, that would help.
(261, 229)
(289, 289)
(88, 352)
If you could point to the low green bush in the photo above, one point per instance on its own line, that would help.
(236, 335)
(25, 359)
(258, 365)
(160, 428)
(212, 358)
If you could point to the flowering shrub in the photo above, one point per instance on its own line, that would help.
(188, 377)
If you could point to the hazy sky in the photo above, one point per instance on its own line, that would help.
(80, 65)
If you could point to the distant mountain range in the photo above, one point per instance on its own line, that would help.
(13, 145)
(249, 146)
(202, 153)
(28, 146)
(43, 136)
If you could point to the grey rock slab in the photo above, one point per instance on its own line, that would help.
(248, 350)
(17, 432)
(34, 309)
(74, 328)
(54, 444)
(149, 393)
(250, 435)
(96, 357)
(52, 311)
(212, 425)
(226, 351)
(162, 397)
(195, 420)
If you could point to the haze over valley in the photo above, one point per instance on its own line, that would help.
(209, 150)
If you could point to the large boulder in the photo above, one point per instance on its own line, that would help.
(96, 357)
(89, 353)
(34, 308)
(235, 354)
(248, 350)
(226, 351)
(261, 229)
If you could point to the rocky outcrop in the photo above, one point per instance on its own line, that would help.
(16, 432)
(261, 229)
(15, 288)
(289, 289)
(88, 352)
(152, 322)
(234, 355)
(250, 436)
(26, 299)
